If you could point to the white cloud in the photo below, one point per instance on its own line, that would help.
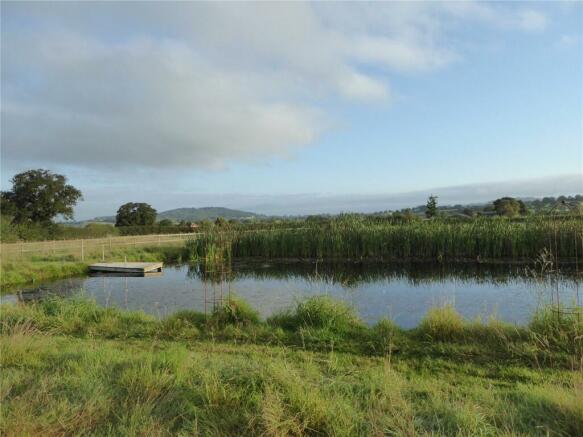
(532, 20)
(400, 55)
(359, 86)
(204, 84)
(569, 40)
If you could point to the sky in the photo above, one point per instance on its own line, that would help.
(294, 108)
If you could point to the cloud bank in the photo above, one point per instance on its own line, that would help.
(100, 202)
(200, 85)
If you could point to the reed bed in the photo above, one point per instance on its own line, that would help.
(435, 240)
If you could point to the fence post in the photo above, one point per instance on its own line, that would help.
(103, 252)
(82, 251)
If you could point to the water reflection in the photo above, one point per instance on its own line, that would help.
(356, 274)
(402, 292)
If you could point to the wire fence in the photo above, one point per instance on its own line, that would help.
(90, 248)
(83, 248)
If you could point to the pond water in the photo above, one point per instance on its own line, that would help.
(403, 293)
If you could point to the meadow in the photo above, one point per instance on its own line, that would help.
(71, 367)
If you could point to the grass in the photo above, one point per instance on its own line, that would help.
(354, 238)
(36, 269)
(70, 367)
(23, 272)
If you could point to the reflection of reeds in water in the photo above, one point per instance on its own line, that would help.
(216, 277)
(352, 275)
(553, 239)
(547, 269)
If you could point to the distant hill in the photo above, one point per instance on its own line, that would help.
(207, 213)
(211, 213)
(186, 214)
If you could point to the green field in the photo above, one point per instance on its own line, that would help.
(73, 368)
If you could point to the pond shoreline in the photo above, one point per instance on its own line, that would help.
(231, 371)
(39, 272)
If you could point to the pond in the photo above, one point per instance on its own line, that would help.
(403, 293)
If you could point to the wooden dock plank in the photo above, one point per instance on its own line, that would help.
(129, 267)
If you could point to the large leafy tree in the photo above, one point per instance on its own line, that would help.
(38, 196)
(509, 207)
(135, 214)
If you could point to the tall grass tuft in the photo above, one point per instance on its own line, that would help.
(443, 324)
(384, 337)
(321, 312)
(235, 311)
(555, 328)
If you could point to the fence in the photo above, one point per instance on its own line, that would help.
(83, 248)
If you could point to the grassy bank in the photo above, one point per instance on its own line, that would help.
(36, 269)
(486, 239)
(24, 272)
(71, 367)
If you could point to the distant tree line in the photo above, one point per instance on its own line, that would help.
(38, 196)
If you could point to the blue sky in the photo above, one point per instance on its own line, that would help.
(295, 107)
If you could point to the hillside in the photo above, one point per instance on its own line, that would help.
(183, 214)
(540, 205)
(206, 213)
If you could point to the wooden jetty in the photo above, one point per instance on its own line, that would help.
(126, 267)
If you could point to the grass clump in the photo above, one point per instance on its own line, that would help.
(554, 328)
(234, 311)
(321, 312)
(321, 323)
(384, 337)
(443, 324)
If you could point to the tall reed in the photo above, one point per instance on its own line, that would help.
(356, 239)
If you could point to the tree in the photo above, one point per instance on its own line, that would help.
(206, 225)
(165, 222)
(38, 196)
(431, 207)
(509, 207)
(135, 214)
(220, 221)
